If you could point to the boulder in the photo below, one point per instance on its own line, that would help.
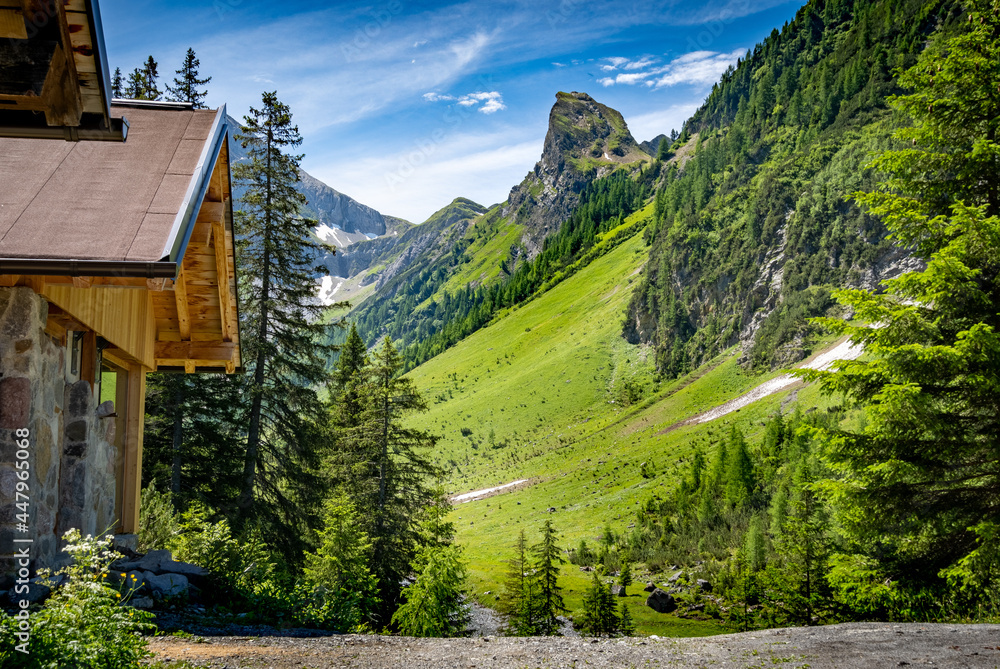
(661, 602)
(140, 602)
(167, 585)
(703, 585)
(148, 562)
(618, 590)
(650, 587)
(676, 577)
(185, 568)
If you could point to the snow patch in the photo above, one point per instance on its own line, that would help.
(478, 494)
(843, 351)
(327, 290)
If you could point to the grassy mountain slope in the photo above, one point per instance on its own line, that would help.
(541, 394)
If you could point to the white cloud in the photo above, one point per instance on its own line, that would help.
(491, 101)
(697, 67)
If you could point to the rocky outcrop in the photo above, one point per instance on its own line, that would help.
(661, 602)
(585, 140)
(335, 209)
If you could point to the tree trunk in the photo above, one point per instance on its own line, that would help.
(178, 439)
(253, 428)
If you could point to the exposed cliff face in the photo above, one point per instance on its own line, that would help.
(335, 209)
(585, 140)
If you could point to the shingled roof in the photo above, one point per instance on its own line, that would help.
(109, 202)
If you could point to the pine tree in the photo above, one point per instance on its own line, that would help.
(191, 442)
(627, 624)
(340, 566)
(281, 332)
(625, 577)
(923, 473)
(149, 76)
(434, 605)
(186, 85)
(595, 604)
(135, 85)
(548, 557)
(387, 471)
(517, 598)
(117, 84)
(663, 150)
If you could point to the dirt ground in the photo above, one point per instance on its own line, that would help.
(847, 646)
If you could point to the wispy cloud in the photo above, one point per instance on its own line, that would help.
(696, 67)
(488, 102)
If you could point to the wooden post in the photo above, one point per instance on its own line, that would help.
(132, 483)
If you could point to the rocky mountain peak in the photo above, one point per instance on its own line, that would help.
(585, 140)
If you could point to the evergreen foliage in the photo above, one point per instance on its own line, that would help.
(435, 604)
(919, 484)
(339, 566)
(518, 600)
(382, 466)
(281, 334)
(754, 229)
(600, 617)
(187, 83)
(548, 557)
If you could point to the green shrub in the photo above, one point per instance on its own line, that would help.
(157, 520)
(84, 622)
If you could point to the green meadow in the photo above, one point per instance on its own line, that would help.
(553, 394)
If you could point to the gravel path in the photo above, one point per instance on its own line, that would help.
(847, 646)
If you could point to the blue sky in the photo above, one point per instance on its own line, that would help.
(405, 105)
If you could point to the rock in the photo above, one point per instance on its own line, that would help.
(704, 585)
(586, 569)
(106, 409)
(36, 593)
(140, 602)
(149, 562)
(167, 585)
(618, 590)
(552, 509)
(650, 587)
(185, 568)
(661, 602)
(675, 577)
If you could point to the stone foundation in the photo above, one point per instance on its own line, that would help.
(71, 480)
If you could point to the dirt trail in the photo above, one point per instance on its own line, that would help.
(847, 646)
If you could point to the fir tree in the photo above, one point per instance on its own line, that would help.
(517, 598)
(548, 557)
(340, 566)
(117, 84)
(663, 150)
(626, 625)
(599, 615)
(187, 83)
(151, 90)
(923, 474)
(434, 605)
(387, 470)
(625, 577)
(281, 331)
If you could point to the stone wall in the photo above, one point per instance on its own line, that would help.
(71, 481)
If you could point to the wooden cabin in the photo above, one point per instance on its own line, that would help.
(116, 259)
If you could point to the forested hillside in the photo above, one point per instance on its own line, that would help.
(751, 236)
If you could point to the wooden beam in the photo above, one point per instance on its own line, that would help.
(222, 269)
(132, 465)
(82, 282)
(194, 350)
(64, 105)
(190, 367)
(183, 316)
(9, 280)
(88, 357)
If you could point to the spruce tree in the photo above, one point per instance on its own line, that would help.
(919, 484)
(281, 332)
(117, 84)
(627, 624)
(517, 597)
(387, 472)
(548, 557)
(625, 577)
(150, 74)
(187, 83)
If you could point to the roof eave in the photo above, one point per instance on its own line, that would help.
(183, 226)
